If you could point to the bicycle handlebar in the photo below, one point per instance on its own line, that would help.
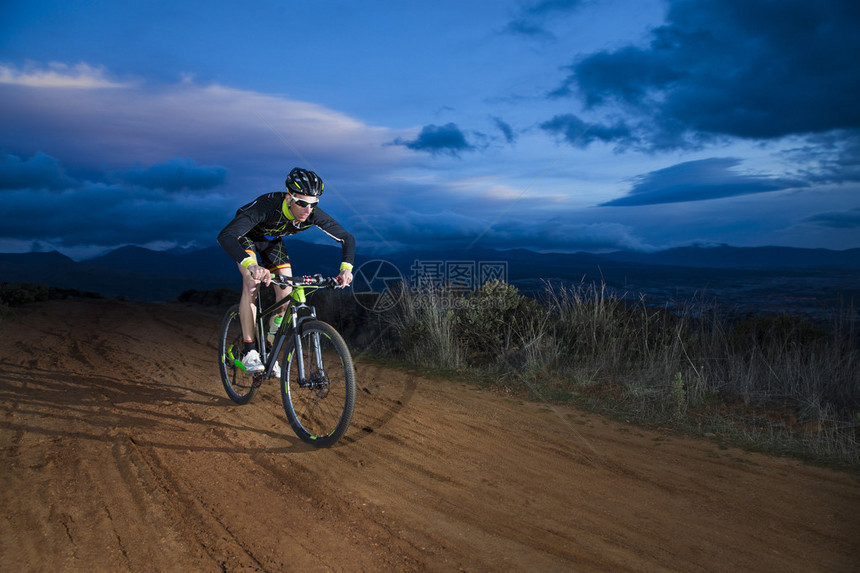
(317, 280)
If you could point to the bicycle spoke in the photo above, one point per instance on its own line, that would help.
(239, 385)
(320, 405)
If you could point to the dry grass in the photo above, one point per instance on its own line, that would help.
(775, 383)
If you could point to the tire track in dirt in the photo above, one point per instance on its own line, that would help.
(121, 452)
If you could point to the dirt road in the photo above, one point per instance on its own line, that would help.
(121, 452)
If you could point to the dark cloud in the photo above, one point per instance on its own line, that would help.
(754, 69)
(546, 8)
(835, 156)
(699, 181)
(576, 132)
(110, 215)
(837, 219)
(41, 203)
(528, 29)
(506, 130)
(435, 139)
(38, 172)
(529, 22)
(175, 175)
(827, 160)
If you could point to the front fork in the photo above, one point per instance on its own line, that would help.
(319, 378)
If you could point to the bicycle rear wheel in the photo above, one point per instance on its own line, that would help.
(239, 385)
(319, 407)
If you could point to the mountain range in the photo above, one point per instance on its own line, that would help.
(142, 274)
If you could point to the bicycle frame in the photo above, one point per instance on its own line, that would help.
(297, 301)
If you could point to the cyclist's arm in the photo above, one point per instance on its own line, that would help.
(334, 230)
(246, 219)
(228, 238)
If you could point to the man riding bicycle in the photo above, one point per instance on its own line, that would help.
(254, 239)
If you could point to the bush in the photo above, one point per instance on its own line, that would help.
(491, 322)
(17, 294)
(773, 331)
(221, 297)
(424, 327)
(684, 366)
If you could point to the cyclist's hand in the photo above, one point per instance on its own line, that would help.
(260, 274)
(344, 278)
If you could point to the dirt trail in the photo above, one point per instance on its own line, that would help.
(120, 452)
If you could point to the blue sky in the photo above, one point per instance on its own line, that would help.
(555, 125)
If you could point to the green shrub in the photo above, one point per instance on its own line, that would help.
(491, 322)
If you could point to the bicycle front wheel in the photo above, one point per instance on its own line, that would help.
(319, 406)
(239, 385)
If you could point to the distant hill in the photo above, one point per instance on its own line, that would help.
(143, 274)
(724, 256)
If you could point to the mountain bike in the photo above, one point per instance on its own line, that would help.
(317, 375)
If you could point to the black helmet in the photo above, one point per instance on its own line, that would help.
(304, 182)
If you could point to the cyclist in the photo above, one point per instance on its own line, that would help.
(254, 239)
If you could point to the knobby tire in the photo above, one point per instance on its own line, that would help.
(320, 407)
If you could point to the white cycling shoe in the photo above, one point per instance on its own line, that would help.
(252, 362)
(276, 370)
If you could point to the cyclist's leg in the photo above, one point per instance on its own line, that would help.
(247, 302)
(275, 257)
(247, 321)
